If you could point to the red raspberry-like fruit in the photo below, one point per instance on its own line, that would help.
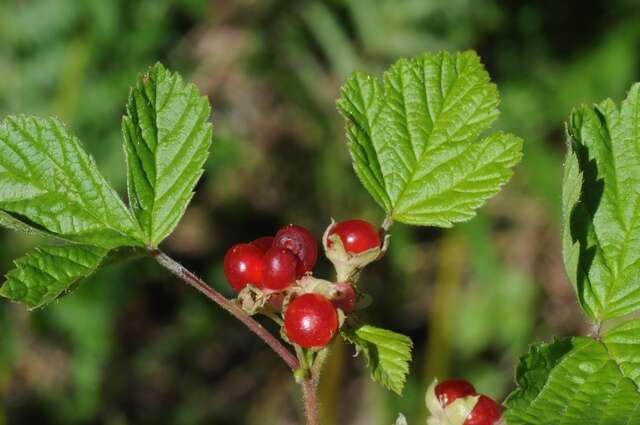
(279, 268)
(357, 235)
(300, 241)
(345, 300)
(263, 243)
(452, 389)
(243, 265)
(485, 412)
(310, 321)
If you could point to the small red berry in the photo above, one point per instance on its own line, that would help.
(243, 265)
(357, 235)
(452, 389)
(301, 242)
(485, 412)
(310, 321)
(345, 300)
(279, 268)
(263, 243)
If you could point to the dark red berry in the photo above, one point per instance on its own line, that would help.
(485, 412)
(263, 243)
(310, 321)
(452, 389)
(345, 299)
(279, 268)
(300, 241)
(357, 235)
(243, 265)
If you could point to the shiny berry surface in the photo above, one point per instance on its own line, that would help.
(301, 242)
(357, 235)
(485, 412)
(279, 268)
(263, 243)
(243, 265)
(452, 389)
(310, 321)
(345, 299)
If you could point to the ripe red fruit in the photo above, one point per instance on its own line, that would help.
(450, 390)
(301, 242)
(310, 321)
(357, 235)
(485, 412)
(279, 268)
(345, 300)
(243, 265)
(263, 243)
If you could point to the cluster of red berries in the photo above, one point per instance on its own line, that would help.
(273, 264)
(485, 412)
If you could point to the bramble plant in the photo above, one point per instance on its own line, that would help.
(418, 145)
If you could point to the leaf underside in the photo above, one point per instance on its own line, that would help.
(387, 354)
(416, 139)
(167, 135)
(601, 203)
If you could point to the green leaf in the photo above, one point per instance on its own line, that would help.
(572, 381)
(415, 139)
(623, 343)
(46, 273)
(601, 199)
(387, 353)
(48, 183)
(167, 135)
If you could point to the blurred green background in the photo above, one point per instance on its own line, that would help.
(134, 346)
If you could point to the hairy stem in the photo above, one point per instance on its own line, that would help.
(191, 279)
(310, 391)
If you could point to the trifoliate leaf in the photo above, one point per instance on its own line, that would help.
(167, 136)
(46, 273)
(387, 353)
(602, 206)
(50, 184)
(574, 381)
(415, 140)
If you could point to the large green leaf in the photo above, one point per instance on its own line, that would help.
(167, 136)
(46, 273)
(387, 354)
(575, 381)
(50, 184)
(602, 206)
(415, 139)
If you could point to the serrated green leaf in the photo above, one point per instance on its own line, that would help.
(623, 343)
(572, 381)
(387, 353)
(167, 135)
(44, 274)
(50, 184)
(414, 140)
(602, 206)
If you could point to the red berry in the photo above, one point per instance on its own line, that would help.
(357, 235)
(310, 321)
(243, 265)
(345, 300)
(485, 412)
(263, 243)
(452, 389)
(279, 268)
(301, 242)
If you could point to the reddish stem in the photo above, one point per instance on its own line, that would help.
(191, 279)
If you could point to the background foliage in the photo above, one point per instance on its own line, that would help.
(133, 346)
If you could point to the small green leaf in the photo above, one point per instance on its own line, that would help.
(623, 343)
(48, 183)
(387, 353)
(167, 135)
(415, 139)
(46, 273)
(601, 200)
(573, 381)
